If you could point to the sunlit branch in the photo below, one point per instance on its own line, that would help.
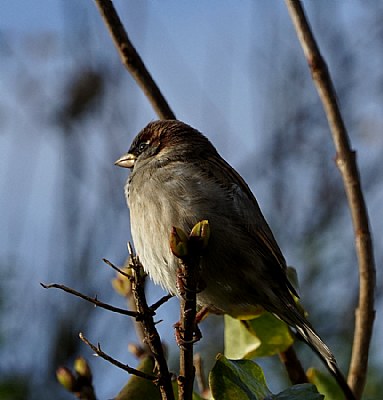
(132, 60)
(346, 162)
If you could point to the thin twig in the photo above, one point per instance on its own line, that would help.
(131, 302)
(188, 250)
(132, 61)
(151, 334)
(111, 265)
(200, 377)
(126, 279)
(346, 162)
(293, 366)
(189, 274)
(161, 301)
(92, 300)
(125, 367)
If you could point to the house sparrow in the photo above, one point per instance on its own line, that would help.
(177, 179)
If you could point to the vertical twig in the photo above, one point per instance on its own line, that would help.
(189, 250)
(293, 366)
(132, 61)
(346, 162)
(132, 305)
(200, 377)
(151, 335)
(189, 273)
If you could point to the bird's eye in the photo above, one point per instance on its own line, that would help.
(142, 146)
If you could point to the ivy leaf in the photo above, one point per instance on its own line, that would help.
(304, 391)
(244, 380)
(237, 379)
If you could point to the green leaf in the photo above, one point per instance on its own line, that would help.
(239, 342)
(140, 388)
(262, 336)
(326, 384)
(237, 379)
(305, 391)
(244, 380)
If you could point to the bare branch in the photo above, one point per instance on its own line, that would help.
(293, 366)
(132, 61)
(125, 367)
(346, 162)
(152, 337)
(91, 300)
(186, 329)
(188, 250)
(200, 377)
(111, 265)
(127, 278)
(161, 301)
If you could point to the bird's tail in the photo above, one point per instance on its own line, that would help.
(307, 333)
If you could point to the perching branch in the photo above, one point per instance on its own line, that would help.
(132, 61)
(188, 249)
(186, 329)
(346, 162)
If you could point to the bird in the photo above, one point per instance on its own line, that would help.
(178, 178)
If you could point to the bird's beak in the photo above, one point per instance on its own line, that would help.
(126, 161)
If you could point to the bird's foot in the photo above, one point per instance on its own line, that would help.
(180, 335)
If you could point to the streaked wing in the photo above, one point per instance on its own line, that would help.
(253, 220)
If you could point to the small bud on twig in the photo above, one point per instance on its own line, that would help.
(201, 234)
(66, 378)
(82, 368)
(178, 242)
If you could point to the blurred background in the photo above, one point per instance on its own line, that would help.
(233, 70)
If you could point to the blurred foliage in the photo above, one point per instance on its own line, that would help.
(79, 381)
(82, 95)
(14, 388)
(326, 384)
